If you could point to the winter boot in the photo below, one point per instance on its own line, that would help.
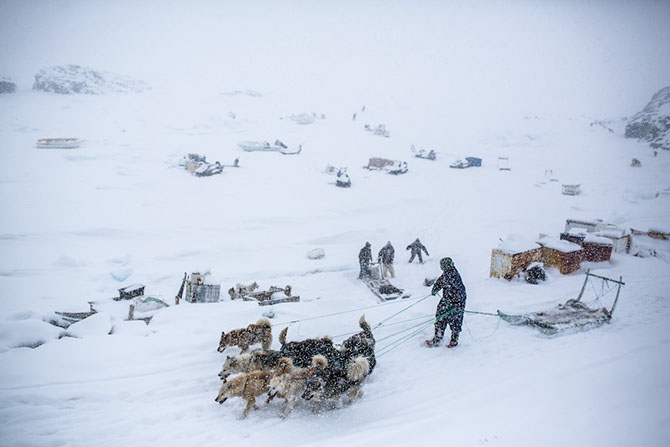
(454, 340)
(432, 342)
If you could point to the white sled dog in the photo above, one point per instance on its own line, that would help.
(288, 382)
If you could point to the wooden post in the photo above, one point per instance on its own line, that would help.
(617, 295)
(581, 292)
(131, 312)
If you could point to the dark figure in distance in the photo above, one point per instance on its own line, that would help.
(364, 259)
(417, 247)
(451, 307)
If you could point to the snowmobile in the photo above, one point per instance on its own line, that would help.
(424, 153)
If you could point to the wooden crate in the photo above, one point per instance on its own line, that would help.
(564, 255)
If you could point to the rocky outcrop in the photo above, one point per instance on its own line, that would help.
(6, 85)
(652, 124)
(73, 79)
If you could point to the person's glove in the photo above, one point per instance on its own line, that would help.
(434, 292)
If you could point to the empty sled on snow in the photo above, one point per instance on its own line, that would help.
(573, 314)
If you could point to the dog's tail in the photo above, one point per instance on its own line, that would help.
(319, 361)
(282, 335)
(364, 325)
(358, 369)
(367, 330)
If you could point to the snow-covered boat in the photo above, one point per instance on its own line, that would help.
(58, 143)
(265, 146)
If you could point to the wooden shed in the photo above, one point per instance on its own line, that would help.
(620, 239)
(596, 248)
(564, 255)
(513, 256)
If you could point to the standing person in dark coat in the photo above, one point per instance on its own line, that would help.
(364, 259)
(451, 307)
(385, 257)
(416, 248)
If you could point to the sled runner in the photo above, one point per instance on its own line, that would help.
(573, 314)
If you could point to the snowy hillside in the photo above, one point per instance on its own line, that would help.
(525, 82)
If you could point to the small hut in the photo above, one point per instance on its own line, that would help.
(596, 248)
(620, 239)
(512, 256)
(564, 255)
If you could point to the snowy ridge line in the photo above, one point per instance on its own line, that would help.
(348, 311)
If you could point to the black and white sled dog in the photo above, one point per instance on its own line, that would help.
(361, 344)
(328, 383)
(301, 352)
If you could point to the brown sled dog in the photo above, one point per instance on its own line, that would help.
(247, 362)
(247, 386)
(261, 332)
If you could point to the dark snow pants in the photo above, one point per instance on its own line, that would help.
(365, 271)
(416, 253)
(453, 318)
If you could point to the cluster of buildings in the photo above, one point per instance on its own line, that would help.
(582, 240)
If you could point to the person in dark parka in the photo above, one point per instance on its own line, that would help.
(416, 248)
(451, 307)
(364, 259)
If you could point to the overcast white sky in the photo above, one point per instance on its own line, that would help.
(603, 57)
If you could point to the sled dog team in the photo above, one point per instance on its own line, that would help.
(313, 369)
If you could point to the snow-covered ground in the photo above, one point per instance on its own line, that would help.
(522, 81)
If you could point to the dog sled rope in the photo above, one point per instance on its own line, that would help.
(393, 345)
(374, 306)
(381, 323)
